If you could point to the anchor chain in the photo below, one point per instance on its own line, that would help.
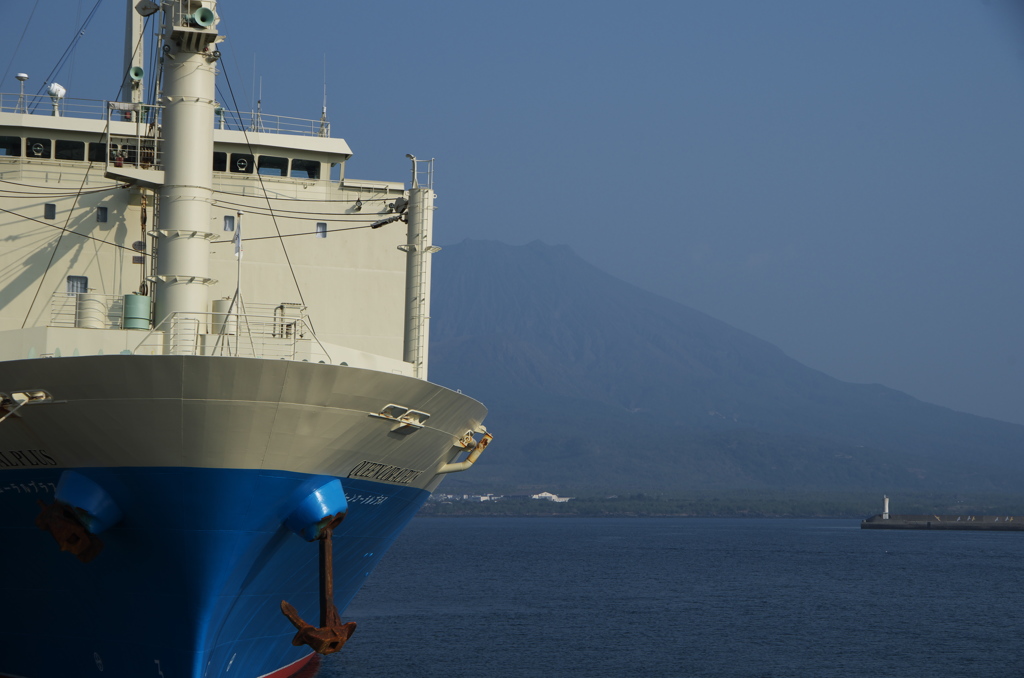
(331, 635)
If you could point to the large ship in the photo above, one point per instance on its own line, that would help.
(214, 409)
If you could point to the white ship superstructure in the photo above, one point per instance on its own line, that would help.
(309, 254)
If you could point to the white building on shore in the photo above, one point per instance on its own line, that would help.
(550, 497)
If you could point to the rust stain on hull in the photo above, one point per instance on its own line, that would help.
(68, 530)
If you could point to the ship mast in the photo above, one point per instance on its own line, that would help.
(418, 249)
(134, 51)
(182, 280)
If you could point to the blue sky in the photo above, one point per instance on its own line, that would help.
(843, 179)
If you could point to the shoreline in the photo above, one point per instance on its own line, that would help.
(722, 504)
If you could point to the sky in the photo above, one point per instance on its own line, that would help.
(843, 179)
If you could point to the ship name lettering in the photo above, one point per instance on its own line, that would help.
(29, 487)
(384, 472)
(366, 500)
(16, 458)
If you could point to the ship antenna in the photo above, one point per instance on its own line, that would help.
(21, 107)
(325, 127)
(257, 121)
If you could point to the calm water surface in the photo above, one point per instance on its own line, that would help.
(459, 597)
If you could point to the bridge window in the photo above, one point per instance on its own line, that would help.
(38, 148)
(272, 166)
(305, 169)
(241, 163)
(69, 150)
(10, 146)
(97, 152)
(220, 161)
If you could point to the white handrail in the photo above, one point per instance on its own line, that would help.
(253, 336)
(97, 109)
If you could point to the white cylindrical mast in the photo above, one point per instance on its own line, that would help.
(885, 507)
(418, 249)
(134, 54)
(190, 34)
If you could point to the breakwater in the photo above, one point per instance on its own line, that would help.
(941, 522)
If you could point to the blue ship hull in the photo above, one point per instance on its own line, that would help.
(189, 584)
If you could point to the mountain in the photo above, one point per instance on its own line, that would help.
(594, 383)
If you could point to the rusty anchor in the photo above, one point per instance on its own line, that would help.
(331, 634)
(65, 525)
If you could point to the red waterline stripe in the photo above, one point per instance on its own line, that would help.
(283, 672)
(291, 669)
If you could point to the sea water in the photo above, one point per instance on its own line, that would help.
(460, 597)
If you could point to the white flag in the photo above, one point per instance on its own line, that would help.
(238, 236)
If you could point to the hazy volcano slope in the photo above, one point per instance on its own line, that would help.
(592, 382)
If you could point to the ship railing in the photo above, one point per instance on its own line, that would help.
(43, 104)
(149, 115)
(141, 149)
(134, 151)
(87, 310)
(145, 115)
(256, 121)
(227, 334)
